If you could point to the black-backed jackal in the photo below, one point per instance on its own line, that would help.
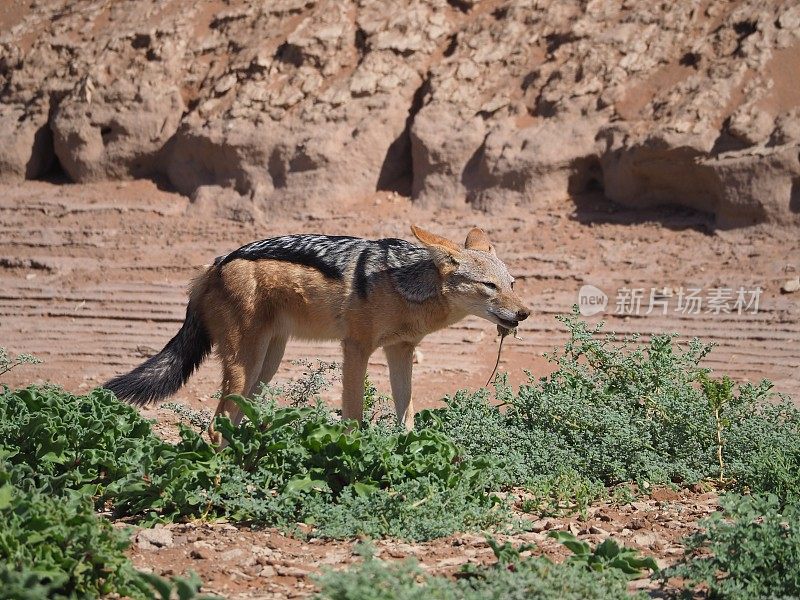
(385, 293)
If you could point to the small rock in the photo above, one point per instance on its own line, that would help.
(790, 19)
(267, 571)
(541, 525)
(149, 539)
(637, 523)
(233, 554)
(790, 286)
(237, 574)
(597, 530)
(467, 70)
(640, 584)
(644, 539)
(452, 561)
(226, 83)
(261, 551)
(289, 571)
(201, 550)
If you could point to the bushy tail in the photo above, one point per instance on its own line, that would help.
(163, 374)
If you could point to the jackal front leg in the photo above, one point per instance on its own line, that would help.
(354, 368)
(401, 358)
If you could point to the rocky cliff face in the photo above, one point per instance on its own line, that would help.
(259, 105)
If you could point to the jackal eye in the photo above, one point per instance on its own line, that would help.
(489, 285)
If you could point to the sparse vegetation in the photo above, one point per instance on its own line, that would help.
(612, 414)
(750, 550)
(54, 546)
(7, 362)
(512, 576)
(283, 466)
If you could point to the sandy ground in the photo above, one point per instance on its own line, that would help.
(93, 279)
(240, 563)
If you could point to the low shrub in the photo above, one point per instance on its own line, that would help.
(288, 465)
(281, 466)
(614, 412)
(594, 575)
(611, 412)
(59, 442)
(750, 550)
(56, 547)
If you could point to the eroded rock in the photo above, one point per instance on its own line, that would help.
(117, 132)
(27, 148)
(518, 102)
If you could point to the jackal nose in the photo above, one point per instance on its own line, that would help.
(523, 314)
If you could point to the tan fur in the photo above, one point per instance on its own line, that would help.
(431, 239)
(251, 308)
(478, 240)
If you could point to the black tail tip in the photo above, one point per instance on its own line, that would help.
(126, 389)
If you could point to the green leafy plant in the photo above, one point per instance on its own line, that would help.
(60, 442)
(607, 555)
(565, 492)
(512, 576)
(200, 419)
(507, 554)
(750, 550)
(719, 394)
(304, 390)
(56, 547)
(282, 466)
(378, 408)
(616, 411)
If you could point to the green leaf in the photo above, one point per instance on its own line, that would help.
(6, 494)
(305, 484)
(247, 407)
(364, 489)
(575, 545)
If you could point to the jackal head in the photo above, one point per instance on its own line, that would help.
(474, 280)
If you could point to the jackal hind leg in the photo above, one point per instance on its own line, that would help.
(272, 360)
(354, 368)
(400, 358)
(242, 358)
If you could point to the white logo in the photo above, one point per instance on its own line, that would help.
(591, 300)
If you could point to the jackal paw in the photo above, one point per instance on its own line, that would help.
(215, 436)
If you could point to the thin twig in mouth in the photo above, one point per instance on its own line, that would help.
(503, 331)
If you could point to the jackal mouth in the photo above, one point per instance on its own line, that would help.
(507, 323)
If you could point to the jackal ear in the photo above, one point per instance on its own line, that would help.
(431, 239)
(445, 253)
(478, 240)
